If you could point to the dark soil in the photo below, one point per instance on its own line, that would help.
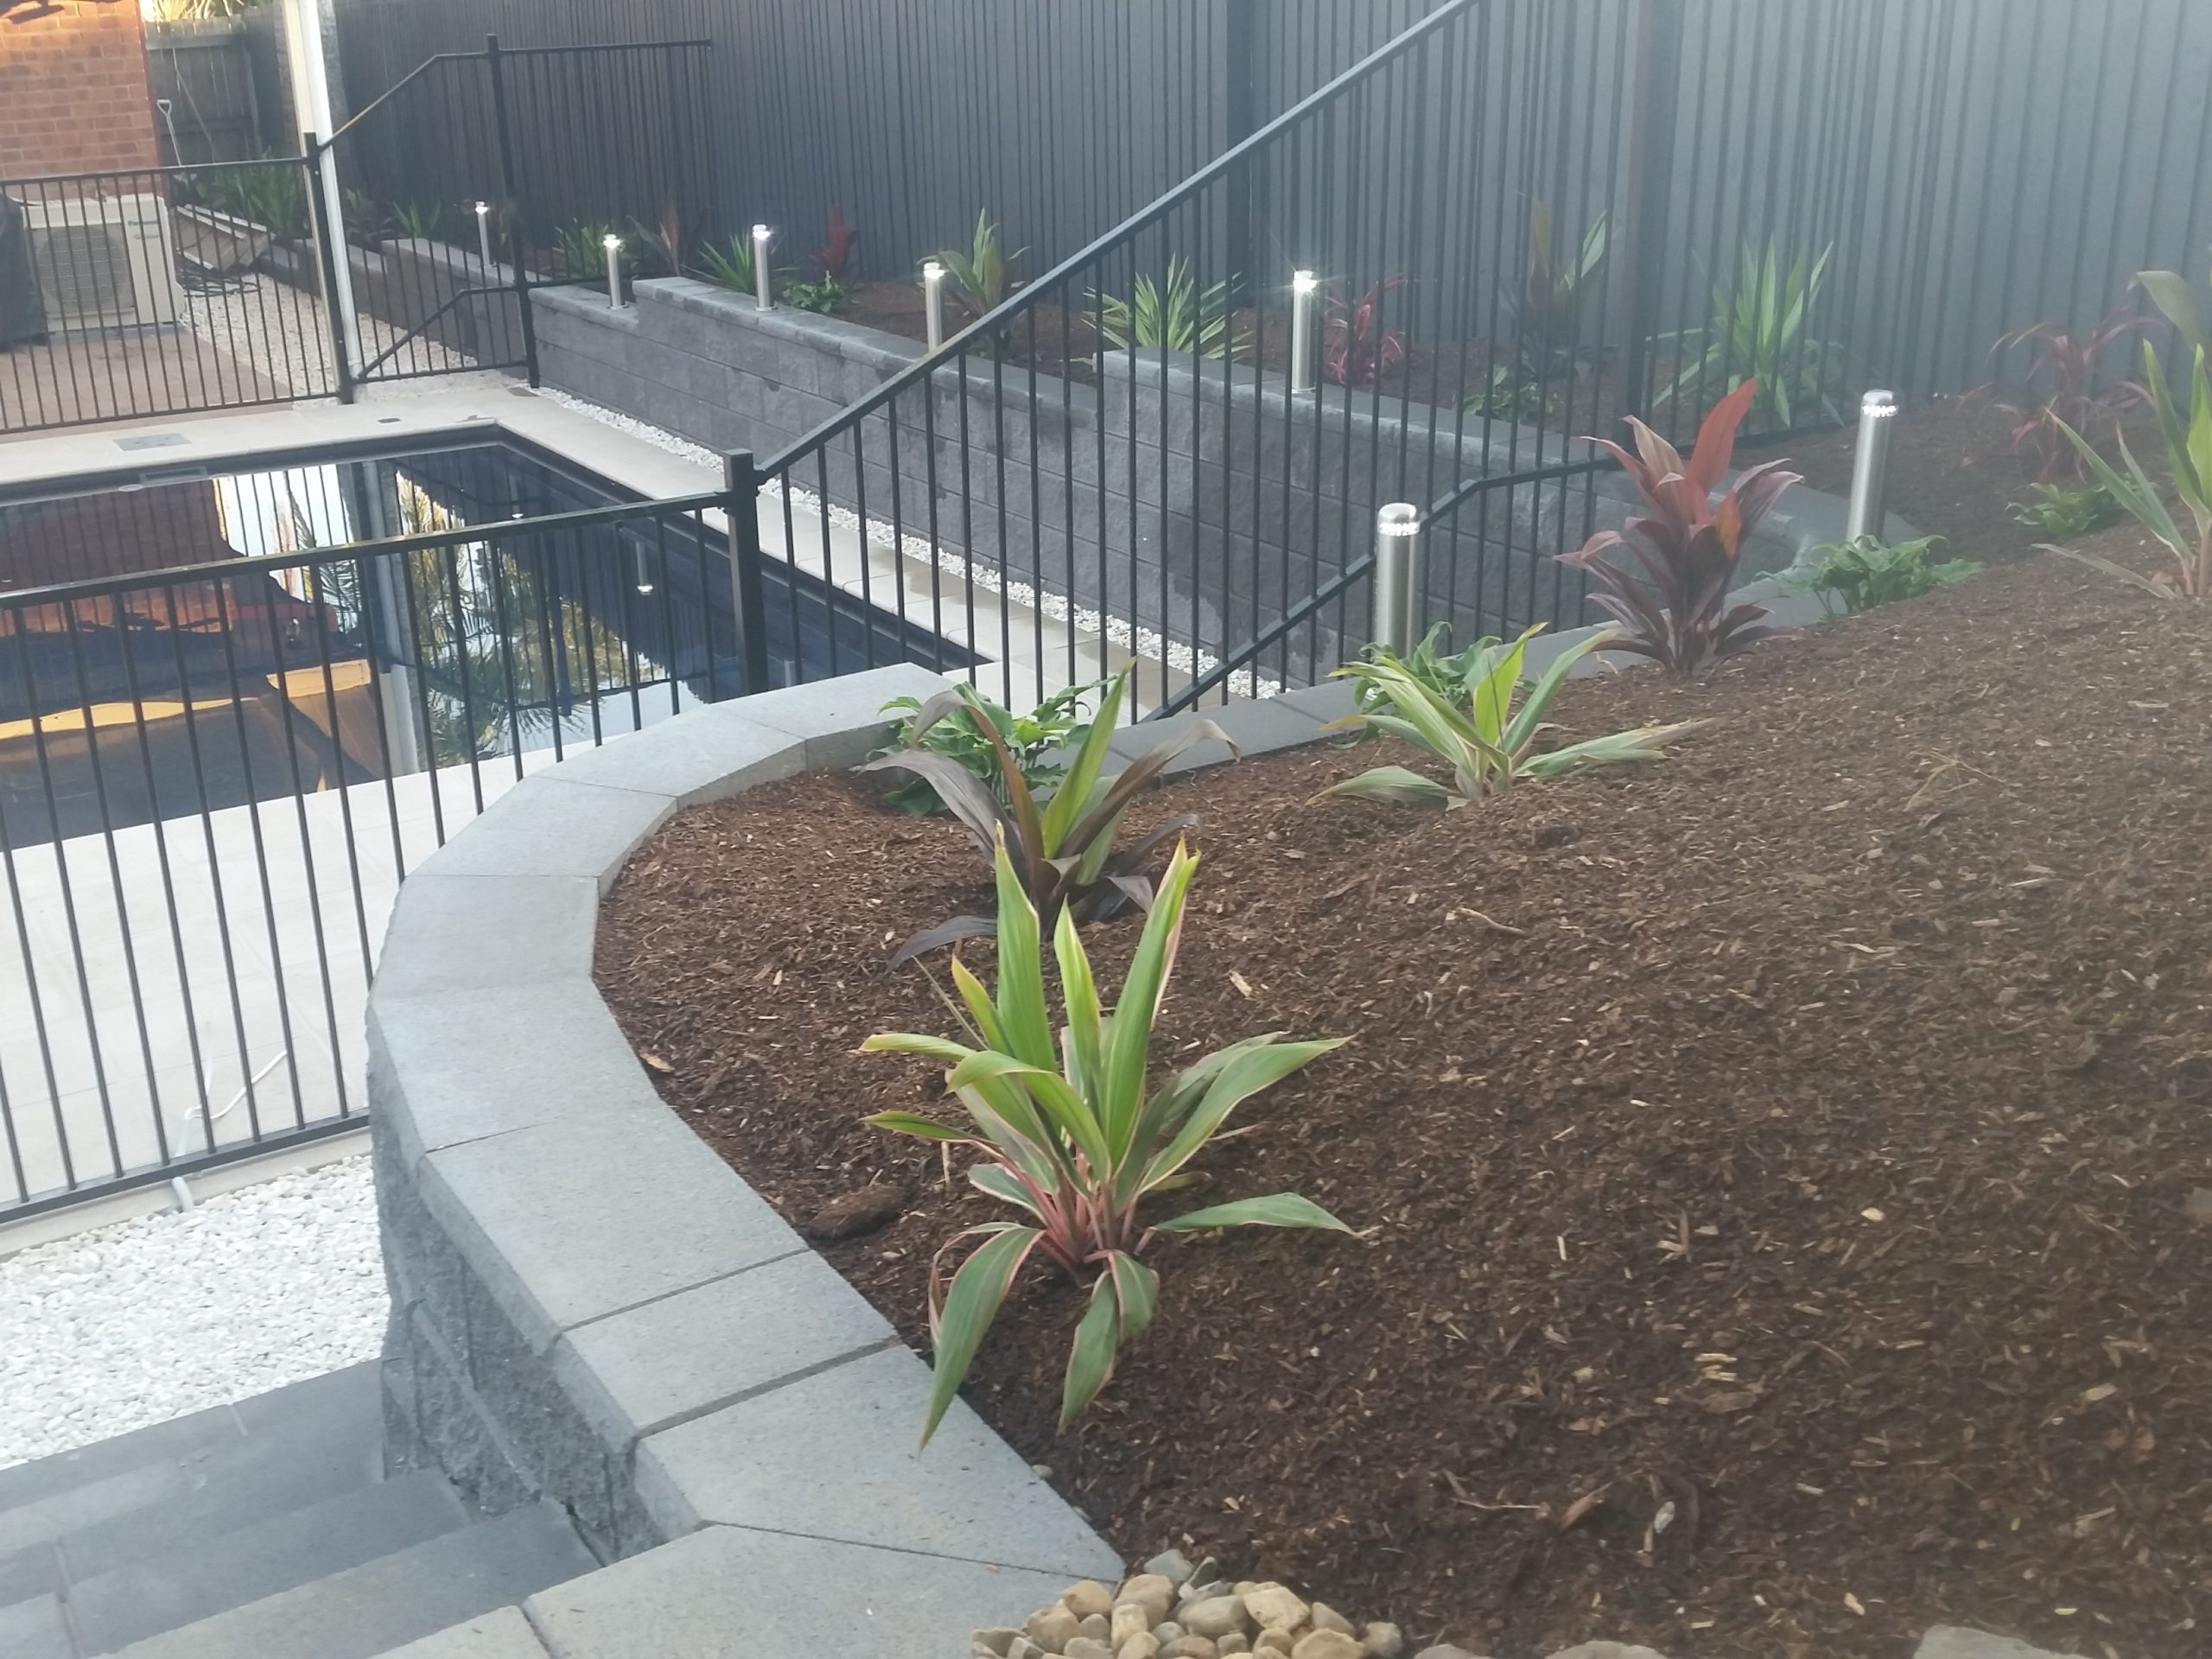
(1798, 1137)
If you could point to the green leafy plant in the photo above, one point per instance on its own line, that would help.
(2189, 454)
(2169, 292)
(1870, 571)
(1069, 1137)
(580, 245)
(1064, 845)
(2065, 513)
(729, 264)
(1030, 740)
(367, 225)
(2067, 385)
(1173, 316)
(417, 222)
(273, 195)
(1674, 607)
(821, 297)
(983, 276)
(1508, 395)
(1474, 729)
(1548, 312)
(1756, 334)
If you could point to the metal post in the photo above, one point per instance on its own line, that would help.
(484, 238)
(495, 69)
(742, 482)
(613, 247)
(1870, 472)
(1241, 51)
(1304, 291)
(764, 292)
(344, 353)
(1640, 238)
(933, 301)
(1397, 577)
(311, 94)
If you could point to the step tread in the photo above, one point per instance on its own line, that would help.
(35, 1629)
(212, 1575)
(413, 1593)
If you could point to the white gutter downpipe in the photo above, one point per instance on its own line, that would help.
(311, 109)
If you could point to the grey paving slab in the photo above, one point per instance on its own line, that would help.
(834, 1456)
(35, 1629)
(708, 753)
(458, 1067)
(516, 835)
(398, 1598)
(35, 1570)
(451, 933)
(1329, 700)
(39, 1522)
(163, 1442)
(730, 1594)
(660, 1211)
(1130, 743)
(200, 1577)
(841, 719)
(502, 1634)
(640, 1371)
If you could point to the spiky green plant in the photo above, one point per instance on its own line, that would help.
(982, 276)
(1072, 1138)
(1758, 332)
(417, 222)
(730, 264)
(1173, 316)
(1548, 312)
(2189, 454)
(1475, 729)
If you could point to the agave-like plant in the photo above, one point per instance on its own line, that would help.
(1175, 316)
(1070, 1137)
(982, 276)
(1758, 332)
(1475, 728)
(2188, 453)
(1687, 546)
(1063, 846)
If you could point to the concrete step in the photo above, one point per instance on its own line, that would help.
(35, 1629)
(142, 1496)
(208, 1576)
(413, 1593)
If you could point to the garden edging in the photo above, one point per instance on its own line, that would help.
(589, 1306)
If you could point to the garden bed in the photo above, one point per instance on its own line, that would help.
(1805, 1135)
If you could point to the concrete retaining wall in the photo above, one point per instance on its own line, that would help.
(407, 282)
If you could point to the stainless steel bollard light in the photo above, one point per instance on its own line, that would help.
(933, 301)
(1397, 577)
(1869, 472)
(614, 245)
(484, 234)
(764, 294)
(1304, 292)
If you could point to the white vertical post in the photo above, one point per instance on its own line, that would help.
(1305, 290)
(310, 79)
(484, 237)
(614, 245)
(1869, 471)
(933, 301)
(764, 292)
(1397, 577)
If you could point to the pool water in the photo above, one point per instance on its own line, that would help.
(127, 695)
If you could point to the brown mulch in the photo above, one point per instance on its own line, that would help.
(1796, 1138)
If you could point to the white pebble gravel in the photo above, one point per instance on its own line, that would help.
(147, 1320)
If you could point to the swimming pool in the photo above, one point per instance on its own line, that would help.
(129, 694)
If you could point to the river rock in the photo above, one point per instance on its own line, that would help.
(998, 1639)
(1215, 1616)
(1084, 1647)
(1167, 1633)
(1097, 1627)
(1325, 1644)
(1326, 1618)
(1130, 1619)
(1233, 1643)
(1171, 1565)
(1052, 1628)
(1274, 1608)
(863, 1211)
(1022, 1648)
(1381, 1641)
(1143, 1645)
(1280, 1642)
(1088, 1597)
(1445, 1650)
(1623, 1651)
(1152, 1592)
(1952, 1642)
(1189, 1647)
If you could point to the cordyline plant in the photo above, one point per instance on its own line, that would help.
(1674, 607)
(835, 252)
(1474, 727)
(1758, 332)
(1355, 349)
(1070, 1137)
(2067, 387)
(1548, 312)
(1063, 848)
(2188, 453)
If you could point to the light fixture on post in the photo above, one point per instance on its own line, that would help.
(933, 301)
(644, 572)
(1305, 290)
(1397, 577)
(484, 234)
(1869, 469)
(614, 245)
(763, 294)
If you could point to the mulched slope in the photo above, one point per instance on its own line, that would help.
(1798, 1133)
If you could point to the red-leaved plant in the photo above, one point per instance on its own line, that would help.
(1674, 607)
(2067, 387)
(1355, 349)
(836, 250)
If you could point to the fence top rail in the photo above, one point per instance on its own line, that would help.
(63, 593)
(596, 46)
(1032, 293)
(491, 45)
(125, 174)
(382, 97)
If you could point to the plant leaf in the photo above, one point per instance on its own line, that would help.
(1277, 1210)
(1091, 1360)
(1255, 1069)
(913, 1123)
(1397, 785)
(978, 1291)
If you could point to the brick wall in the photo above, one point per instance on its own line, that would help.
(73, 94)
